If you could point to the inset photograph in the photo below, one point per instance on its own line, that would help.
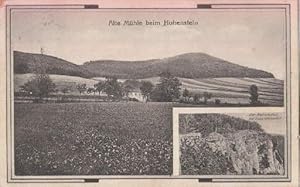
(232, 144)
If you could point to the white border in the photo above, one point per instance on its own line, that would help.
(13, 178)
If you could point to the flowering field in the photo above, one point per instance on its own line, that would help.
(93, 139)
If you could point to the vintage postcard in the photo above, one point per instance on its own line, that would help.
(201, 91)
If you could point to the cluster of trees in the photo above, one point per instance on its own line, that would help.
(111, 86)
(167, 90)
(40, 85)
(220, 123)
(187, 95)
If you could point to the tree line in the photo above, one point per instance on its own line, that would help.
(168, 89)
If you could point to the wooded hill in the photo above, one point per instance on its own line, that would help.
(189, 65)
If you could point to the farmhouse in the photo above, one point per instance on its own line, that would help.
(136, 94)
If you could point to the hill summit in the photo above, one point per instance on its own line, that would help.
(188, 65)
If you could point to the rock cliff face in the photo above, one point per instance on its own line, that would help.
(244, 152)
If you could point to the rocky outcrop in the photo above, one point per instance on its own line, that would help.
(248, 152)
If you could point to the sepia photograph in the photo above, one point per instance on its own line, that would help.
(93, 91)
(232, 144)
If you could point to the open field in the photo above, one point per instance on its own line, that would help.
(236, 90)
(93, 139)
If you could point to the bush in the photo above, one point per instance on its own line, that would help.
(217, 101)
(253, 90)
(201, 160)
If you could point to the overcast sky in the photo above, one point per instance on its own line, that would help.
(250, 38)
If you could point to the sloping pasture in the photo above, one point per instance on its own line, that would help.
(236, 90)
